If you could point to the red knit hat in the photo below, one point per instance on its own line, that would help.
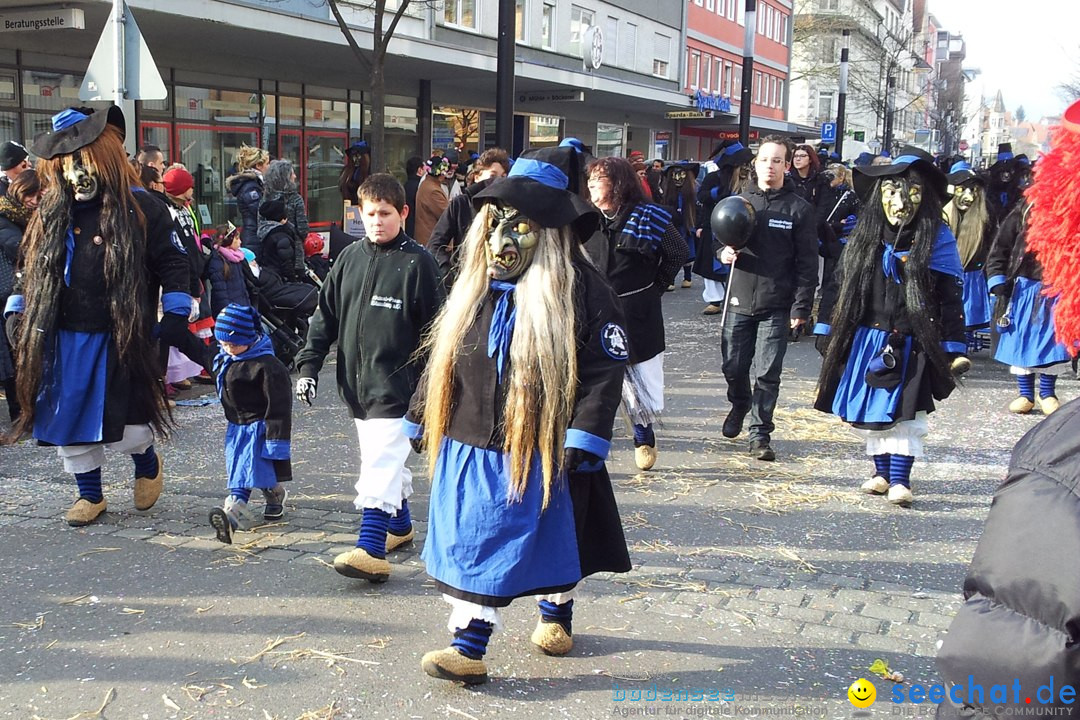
(178, 181)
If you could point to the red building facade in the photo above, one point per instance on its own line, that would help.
(714, 60)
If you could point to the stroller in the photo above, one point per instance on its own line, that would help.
(285, 309)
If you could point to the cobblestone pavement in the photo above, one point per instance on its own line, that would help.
(773, 584)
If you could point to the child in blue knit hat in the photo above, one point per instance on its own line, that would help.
(256, 394)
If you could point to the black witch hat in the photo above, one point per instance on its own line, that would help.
(908, 157)
(76, 128)
(539, 186)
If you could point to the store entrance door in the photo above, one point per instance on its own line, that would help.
(319, 158)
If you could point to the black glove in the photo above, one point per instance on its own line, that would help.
(417, 444)
(574, 458)
(173, 329)
(1001, 290)
(821, 344)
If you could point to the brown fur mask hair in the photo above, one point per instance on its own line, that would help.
(123, 227)
(969, 227)
(542, 379)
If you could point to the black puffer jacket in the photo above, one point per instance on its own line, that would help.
(778, 268)
(247, 188)
(1021, 615)
(277, 249)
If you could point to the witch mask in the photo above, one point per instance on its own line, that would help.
(900, 198)
(511, 243)
(82, 178)
(963, 197)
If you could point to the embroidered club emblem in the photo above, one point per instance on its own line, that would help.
(613, 340)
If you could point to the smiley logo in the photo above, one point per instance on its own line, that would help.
(861, 693)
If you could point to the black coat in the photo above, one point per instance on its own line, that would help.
(1008, 257)
(778, 268)
(410, 199)
(449, 232)
(1021, 614)
(640, 277)
(277, 250)
(184, 225)
(84, 303)
(375, 303)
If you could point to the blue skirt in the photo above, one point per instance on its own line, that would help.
(485, 548)
(70, 407)
(977, 310)
(857, 402)
(244, 462)
(1029, 341)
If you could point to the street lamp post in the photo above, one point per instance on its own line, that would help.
(504, 83)
(841, 103)
(747, 72)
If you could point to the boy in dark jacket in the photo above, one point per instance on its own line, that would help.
(254, 389)
(379, 296)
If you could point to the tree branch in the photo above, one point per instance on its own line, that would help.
(393, 26)
(347, 32)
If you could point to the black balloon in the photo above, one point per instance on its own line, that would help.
(732, 222)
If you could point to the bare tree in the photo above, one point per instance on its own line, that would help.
(373, 60)
(466, 123)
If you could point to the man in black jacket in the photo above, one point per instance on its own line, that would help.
(772, 288)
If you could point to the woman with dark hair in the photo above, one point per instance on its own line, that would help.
(641, 251)
(893, 338)
(16, 209)
(806, 172)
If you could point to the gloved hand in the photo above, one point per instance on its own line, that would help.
(848, 225)
(306, 390)
(821, 344)
(173, 328)
(417, 444)
(574, 458)
(12, 326)
(1000, 290)
(193, 315)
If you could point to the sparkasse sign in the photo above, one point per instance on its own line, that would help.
(39, 20)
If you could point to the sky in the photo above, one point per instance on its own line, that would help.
(1025, 48)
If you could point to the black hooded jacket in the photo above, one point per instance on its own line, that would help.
(778, 268)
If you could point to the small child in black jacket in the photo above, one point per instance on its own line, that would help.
(380, 295)
(255, 392)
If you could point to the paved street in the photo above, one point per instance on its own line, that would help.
(776, 582)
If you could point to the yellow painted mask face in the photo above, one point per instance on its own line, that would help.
(963, 197)
(82, 179)
(900, 198)
(511, 243)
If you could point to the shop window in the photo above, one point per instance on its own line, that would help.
(453, 127)
(580, 19)
(11, 128)
(547, 26)
(209, 155)
(460, 12)
(543, 131)
(36, 124)
(290, 111)
(400, 123)
(325, 152)
(238, 106)
(609, 140)
(44, 90)
(7, 87)
(159, 135)
(157, 107)
(327, 114)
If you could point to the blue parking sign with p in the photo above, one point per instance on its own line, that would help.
(828, 132)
